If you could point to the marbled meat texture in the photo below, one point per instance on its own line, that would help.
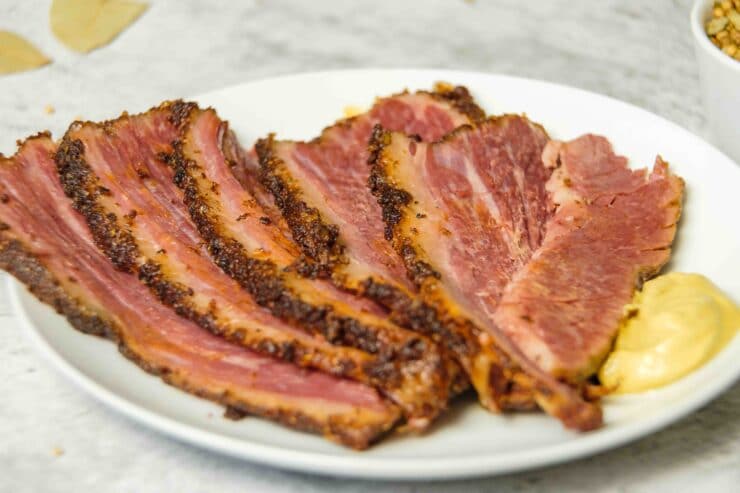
(47, 245)
(119, 179)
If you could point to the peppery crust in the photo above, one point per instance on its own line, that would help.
(502, 376)
(392, 201)
(318, 239)
(408, 311)
(459, 98)
(399, 356)
(81, 185)
(511, 388)
(261, 278)
(27, 268)
(386, 369)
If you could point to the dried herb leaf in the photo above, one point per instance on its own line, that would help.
(84, 25)
(18, 55)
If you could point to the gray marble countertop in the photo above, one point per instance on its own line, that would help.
(55, 438)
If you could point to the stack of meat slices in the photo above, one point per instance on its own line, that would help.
(351, 285)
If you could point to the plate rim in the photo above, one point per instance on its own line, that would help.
(353, 464)
(385, 468)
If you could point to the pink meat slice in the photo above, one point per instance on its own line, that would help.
(613, 228)
(42, 237)
(331, 174)
(245, 167)
(253, 251)
(466, 213)
(120, 170)
(485, 196)
(241, 210)
(540, 253)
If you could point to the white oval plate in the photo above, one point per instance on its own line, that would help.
(468, 441)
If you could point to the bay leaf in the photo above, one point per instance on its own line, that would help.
(18, 55)
(84, 25)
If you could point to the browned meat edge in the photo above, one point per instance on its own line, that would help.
(513, 389)
(25, 267)
(318, 239)
(263, 280)
(391, 199)
(80, 183)
(459, 97)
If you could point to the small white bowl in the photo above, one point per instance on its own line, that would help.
(720, 83)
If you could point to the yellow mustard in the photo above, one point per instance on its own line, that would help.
(674, 325)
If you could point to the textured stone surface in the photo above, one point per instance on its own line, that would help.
(636, 51)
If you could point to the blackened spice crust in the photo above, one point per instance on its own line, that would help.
(400, 356)
(460, 99)
(81, 185)
(28, 269)
(318, 240)
(262, 278)
(392, 201)
(16, 260)
(510, 388)
(406, 369)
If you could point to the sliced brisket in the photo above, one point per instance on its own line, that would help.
(247, 246)
(48, 247)
(473, 219)
(321, 189)
(465, 214)
(245, 166)
(118, 177)
(321, 186)
(612, 229)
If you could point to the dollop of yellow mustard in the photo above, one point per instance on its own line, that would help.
(674, 325)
